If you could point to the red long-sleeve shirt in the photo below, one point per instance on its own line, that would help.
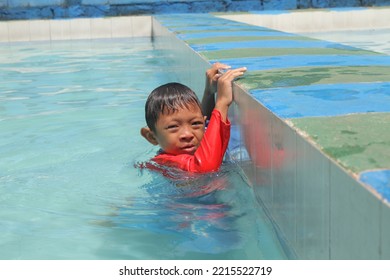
(209, 155)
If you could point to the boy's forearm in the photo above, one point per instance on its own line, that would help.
(223, 109)
(208, 103)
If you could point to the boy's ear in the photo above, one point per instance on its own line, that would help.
(149, 135)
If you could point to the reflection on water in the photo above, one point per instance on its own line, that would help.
(197, 216)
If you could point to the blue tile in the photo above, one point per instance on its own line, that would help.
(335, 99)
(289, 61)
(269, 44)
(232, 34)
(205, 27)
(379, 180)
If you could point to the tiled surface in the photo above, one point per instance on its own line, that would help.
(335, 99)
(312, 202)
(355, 219)
(359, 142)
(39, 30)
(385, 229)
(320, 121)
(319, 19)
(60, 30)
(379, 180)
(4, 30)
(19, 31)
(82, 28)
(301, 76)
(284, 176)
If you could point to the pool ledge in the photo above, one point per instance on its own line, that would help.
(310, 129)
(74, 29)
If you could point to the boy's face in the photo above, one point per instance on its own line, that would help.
(180, 132)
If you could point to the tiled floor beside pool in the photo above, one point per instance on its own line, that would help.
(318, 144)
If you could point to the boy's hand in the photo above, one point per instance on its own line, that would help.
(212, 76)
(225, 87)
(225, 90)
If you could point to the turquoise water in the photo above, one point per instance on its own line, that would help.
(70, 114)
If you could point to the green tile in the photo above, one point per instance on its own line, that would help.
(289, 77)
(246, 39)
(183, 30)
(358, 142)
(259, 52)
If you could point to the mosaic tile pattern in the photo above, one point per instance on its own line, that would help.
(335, 95)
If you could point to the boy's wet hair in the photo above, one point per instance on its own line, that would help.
(167, 99)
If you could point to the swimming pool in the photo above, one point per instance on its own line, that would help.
(70, 112)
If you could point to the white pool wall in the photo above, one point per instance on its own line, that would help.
(73, 29)
(314, 20)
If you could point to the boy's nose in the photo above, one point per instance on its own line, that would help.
(186, 134)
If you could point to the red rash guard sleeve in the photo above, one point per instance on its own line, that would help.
(208, 157)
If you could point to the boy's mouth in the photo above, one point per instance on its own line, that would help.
(190, 149)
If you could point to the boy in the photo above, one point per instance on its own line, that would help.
(176, 122)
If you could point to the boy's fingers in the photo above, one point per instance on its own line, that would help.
(216, 76)
(236, 72)
(220, 65)
(242, 69)
(239, 70)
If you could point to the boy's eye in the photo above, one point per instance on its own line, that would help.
(172, 126)
(197, 123)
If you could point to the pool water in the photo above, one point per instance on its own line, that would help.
(377, 40)
(70, 114)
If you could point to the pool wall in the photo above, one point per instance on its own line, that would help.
(51, 9)
(310, 120)
(315, 20)
(82, 28)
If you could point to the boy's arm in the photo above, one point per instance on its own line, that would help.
(212, 76)
(210, 154)
(225, 90)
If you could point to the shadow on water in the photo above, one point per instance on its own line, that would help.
(188, 216)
